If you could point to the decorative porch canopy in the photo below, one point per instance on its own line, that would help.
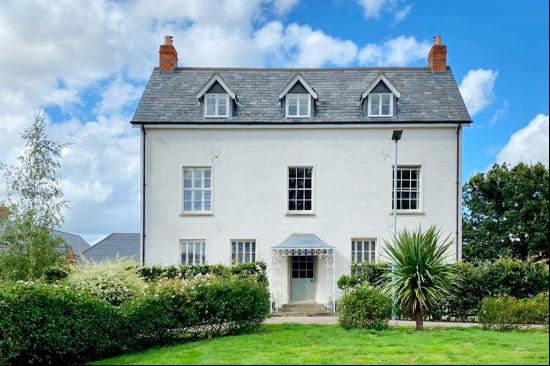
(303, 245)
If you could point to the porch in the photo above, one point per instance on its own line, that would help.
(302, 276)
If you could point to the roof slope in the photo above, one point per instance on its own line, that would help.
(309, 241)
(76, 242)
(171, 97)
(117, 244)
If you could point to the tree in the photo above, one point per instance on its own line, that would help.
(506, 213)
(422, 276)
(33, 207)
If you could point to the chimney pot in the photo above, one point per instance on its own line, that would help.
(437, 58)
(168, 56)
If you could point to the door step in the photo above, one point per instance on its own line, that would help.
(302, 310)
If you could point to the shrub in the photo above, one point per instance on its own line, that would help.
(504, 277)
(50, 324)
(507, 313)
(152, 273)
(115, 281)
(364, 307)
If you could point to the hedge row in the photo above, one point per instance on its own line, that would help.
(44, 323)
(507, 313)
(504, 277)
(153, 273)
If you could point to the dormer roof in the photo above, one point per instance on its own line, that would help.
(216, 78)
(298, 78)
(381, 78)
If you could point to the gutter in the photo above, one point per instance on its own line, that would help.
(458, 187)
(143, 134)
(291, 123)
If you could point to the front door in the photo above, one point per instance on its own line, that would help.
(302, 280)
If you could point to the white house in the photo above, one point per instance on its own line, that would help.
(294, 166)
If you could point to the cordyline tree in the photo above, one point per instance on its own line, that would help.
(506, 213)
(32, 208)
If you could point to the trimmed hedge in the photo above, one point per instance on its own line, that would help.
(364, 307)
(507, 313)
(504, 277)
(45, 323)
(153, 273)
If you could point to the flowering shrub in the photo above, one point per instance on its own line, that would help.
(73, 322)
(115, 281)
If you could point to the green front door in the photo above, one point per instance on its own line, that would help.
(302, 280)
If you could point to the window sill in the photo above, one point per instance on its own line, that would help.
(388, 116)
(184, 214)
(297, 116)
(298, 213)
(412, 213)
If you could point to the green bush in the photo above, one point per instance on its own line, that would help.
(115, 281)
(152, 273)
(364, 307)
(48, 324)
(507, 313)
(504, 277)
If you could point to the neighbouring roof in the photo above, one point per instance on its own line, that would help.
(425, 96)
(124, 245)
(76, 242)
(302, 241)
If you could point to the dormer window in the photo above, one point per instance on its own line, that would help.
(379, 98)
(217, 98)
(298, 105)
(298, 98)
(380, 105)
(216, 105)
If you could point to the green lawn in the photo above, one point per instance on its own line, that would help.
(329, 344)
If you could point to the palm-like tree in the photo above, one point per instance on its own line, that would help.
(422, 276)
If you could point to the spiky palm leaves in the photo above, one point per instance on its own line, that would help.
(422, 277)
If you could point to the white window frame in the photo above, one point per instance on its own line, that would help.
(380, 105)
(202, 252)
(218, 97)
(419, 190)
(300, 212)
(240, 246)
(203, 189)
(297, 96)
(372, 254)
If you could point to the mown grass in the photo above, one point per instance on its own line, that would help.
(330, 344)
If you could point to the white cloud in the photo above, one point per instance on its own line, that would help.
(90, 60)
(375, 8)
(477, 89)
(530, 144)
(398, 51)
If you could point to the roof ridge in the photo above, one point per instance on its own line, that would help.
(298, 69)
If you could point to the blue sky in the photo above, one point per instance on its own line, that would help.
(87, 63)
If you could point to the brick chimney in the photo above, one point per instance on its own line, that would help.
(168, 56)
(437, 58)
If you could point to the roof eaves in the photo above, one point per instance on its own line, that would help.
(380, 78)
(298, 78)
(216, 77)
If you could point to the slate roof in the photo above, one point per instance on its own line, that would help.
(309, 241)
(76, 242)
(122, 244)
(170, 97)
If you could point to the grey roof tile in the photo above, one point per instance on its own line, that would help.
(124, 245)
(425, 96)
